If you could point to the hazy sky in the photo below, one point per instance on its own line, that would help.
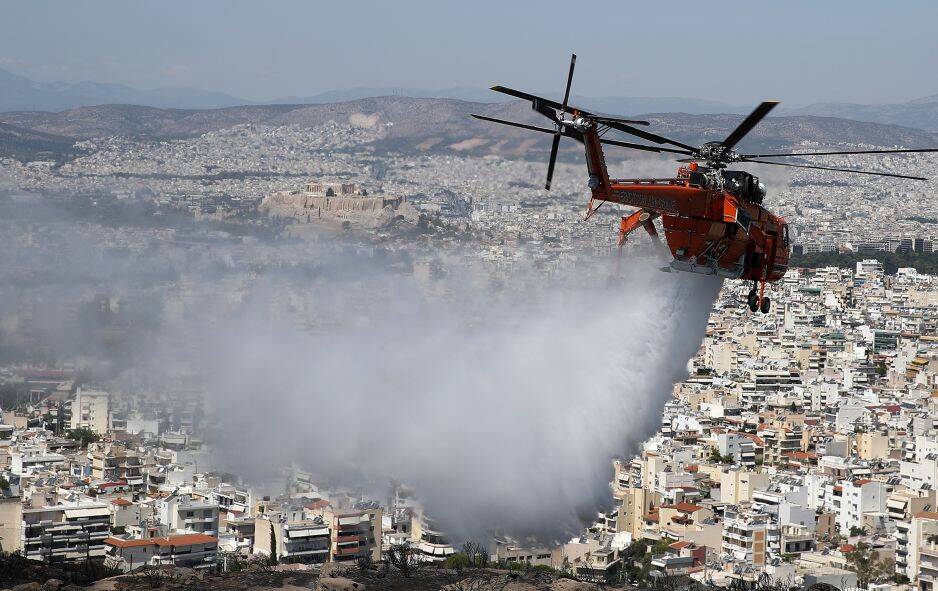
(740, 52)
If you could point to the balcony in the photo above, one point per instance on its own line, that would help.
(307, 552)
(344, 552)
(931, 551)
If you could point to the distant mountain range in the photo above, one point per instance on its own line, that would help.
(921, 113)
(419, 125)
(19, 93)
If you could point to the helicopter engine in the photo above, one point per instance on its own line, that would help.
(744, 185)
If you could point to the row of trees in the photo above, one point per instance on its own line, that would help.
(923, 262)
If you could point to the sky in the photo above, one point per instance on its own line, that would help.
(800, 52)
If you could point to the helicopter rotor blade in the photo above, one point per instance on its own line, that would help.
(748, 123)
(555, 145)
(543, 101)
(566, 93)
(621, 120)
(541, 104)
(579, 138)
(658, 139)
(898, 151)
(647, 148)
(898, 176)
(513, 124)
(553, 160)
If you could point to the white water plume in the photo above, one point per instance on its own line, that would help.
(502, 408)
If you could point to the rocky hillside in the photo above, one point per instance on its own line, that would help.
(331, 578)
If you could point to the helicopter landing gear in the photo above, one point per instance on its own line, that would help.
(766, 305)
(758, 302)
(753, 300)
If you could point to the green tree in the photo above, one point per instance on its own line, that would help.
(867, 567)
(457, 561)
(857, 531)
(273, 545)
(83, 435)
(923, 262)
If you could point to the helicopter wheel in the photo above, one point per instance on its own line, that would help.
(754, 304)
(766, 305)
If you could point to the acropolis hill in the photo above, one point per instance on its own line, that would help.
(336, 203)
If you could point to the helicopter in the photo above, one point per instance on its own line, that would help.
(713, 218)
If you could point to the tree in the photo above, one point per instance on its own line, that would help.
(273, 545)
(457, 561)
(365, 563)
(403, 558)
(83, 435)
(476, 553)
(857, 531)
(864, 563)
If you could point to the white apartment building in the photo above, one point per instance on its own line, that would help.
(858, 498)
(745, 537)
(90, 409)
(29, 460)
(182, 513)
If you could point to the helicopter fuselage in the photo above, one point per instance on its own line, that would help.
(711, 226)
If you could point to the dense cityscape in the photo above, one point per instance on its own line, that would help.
(800, 445)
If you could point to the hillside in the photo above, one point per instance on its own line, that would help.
(420, 125)
(921, 113)
(29, 144)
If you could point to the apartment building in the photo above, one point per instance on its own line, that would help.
(112, 462)
(902, 506)
(66, 532)
(858, 499)
(11, 522)
(745, 537)
(353, 533)
(27, 460)
(183, 513)
(307, 541)
(196, 551)
(431, 544)
(90, 409)
(922, 557)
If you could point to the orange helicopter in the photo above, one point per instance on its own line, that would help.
(713, 219)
